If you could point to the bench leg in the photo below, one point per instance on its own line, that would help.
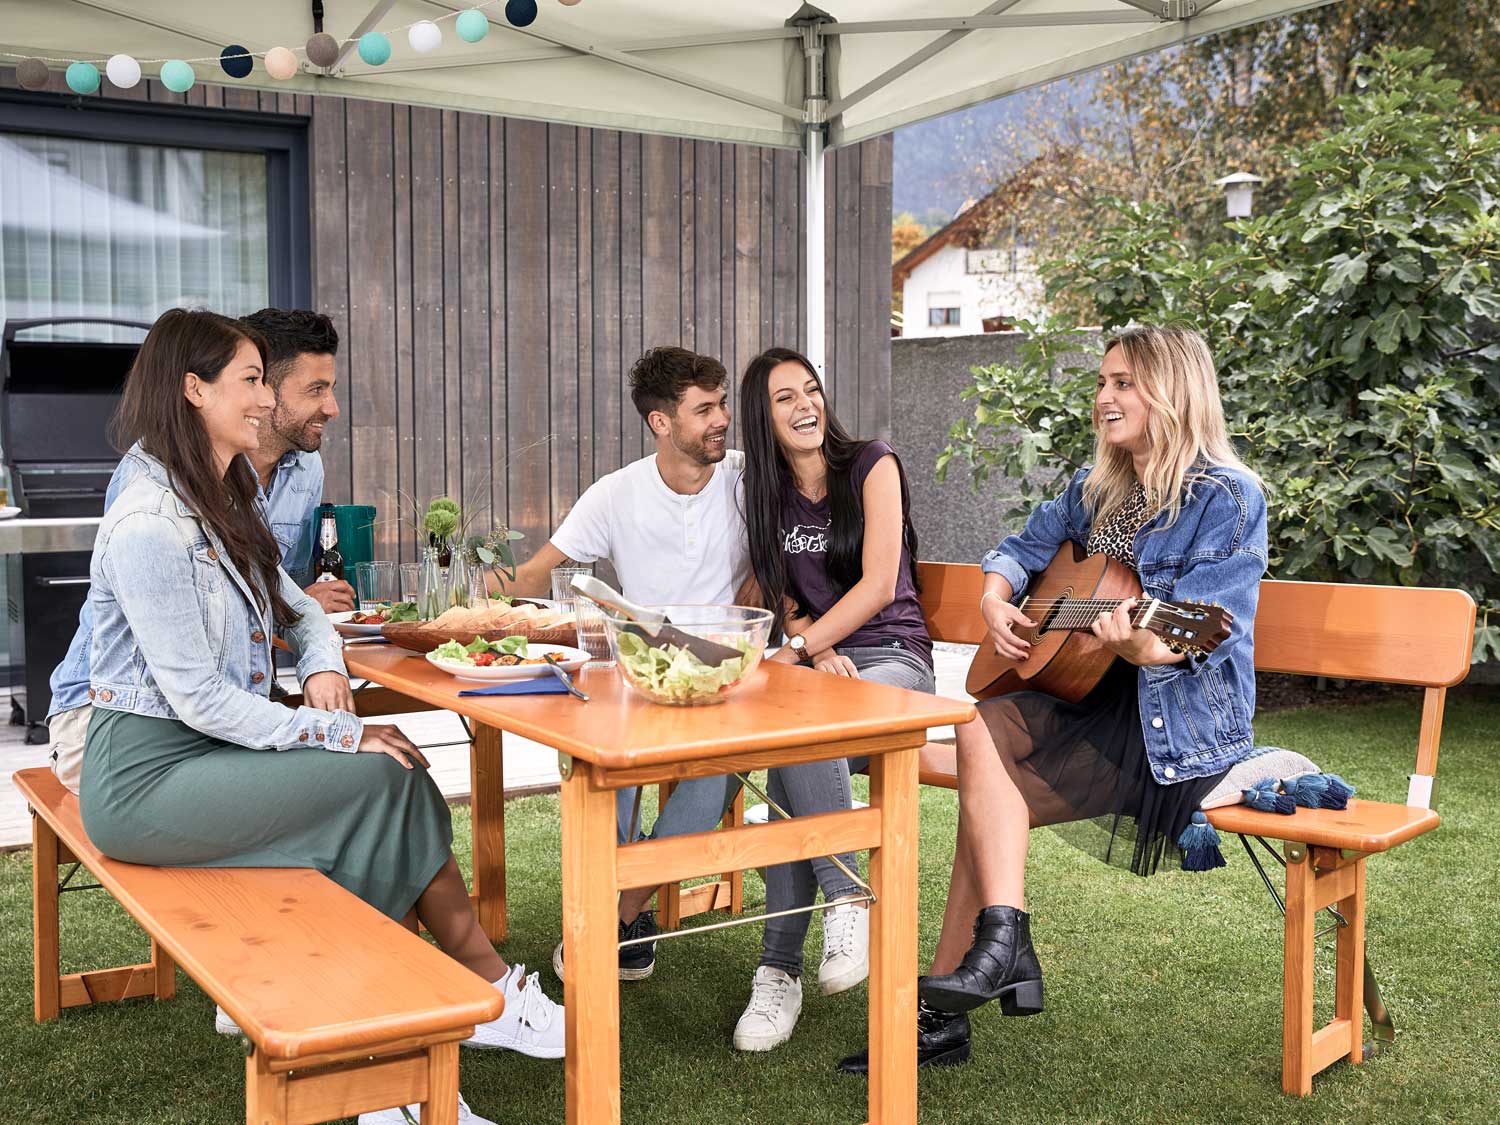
(1297, 967)
(1349, 986)
(1317, 878)
(163, 972)
(668, 895)
(46, 981)
(487, 804)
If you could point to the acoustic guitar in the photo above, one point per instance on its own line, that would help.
(1063, 602)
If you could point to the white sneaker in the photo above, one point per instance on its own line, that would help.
(412, 1114)
(531, 1023)
(224, 1023)
(846, 947)
(775, 1004)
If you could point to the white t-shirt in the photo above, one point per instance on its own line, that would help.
(665, 547)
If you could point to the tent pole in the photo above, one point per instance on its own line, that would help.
(814, 132)
(813, 249)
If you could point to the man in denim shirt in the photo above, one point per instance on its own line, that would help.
(301, 346)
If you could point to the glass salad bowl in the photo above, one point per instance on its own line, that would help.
(683, 674)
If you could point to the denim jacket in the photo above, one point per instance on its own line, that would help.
(177, 634)
(296, 488)
(1195, 714)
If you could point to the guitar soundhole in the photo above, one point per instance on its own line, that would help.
(1058, 601)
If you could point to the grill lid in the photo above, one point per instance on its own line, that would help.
(57, 398)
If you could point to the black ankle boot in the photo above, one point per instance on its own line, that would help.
(999, 965)
(942, 1040)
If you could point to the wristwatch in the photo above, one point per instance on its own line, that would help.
(798, 644)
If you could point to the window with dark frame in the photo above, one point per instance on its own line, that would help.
(122, 209)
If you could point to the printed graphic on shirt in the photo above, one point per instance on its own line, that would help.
(805, 538)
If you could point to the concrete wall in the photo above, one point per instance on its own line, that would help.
(927, 376)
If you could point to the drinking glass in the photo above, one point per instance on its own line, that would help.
(562, 584)
(411, 581)
(378, 584)
(594, 635)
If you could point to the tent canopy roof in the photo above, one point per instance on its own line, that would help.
(728, 70)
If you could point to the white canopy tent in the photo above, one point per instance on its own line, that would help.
(754, 71)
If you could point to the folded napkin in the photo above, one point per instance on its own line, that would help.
(541, 685)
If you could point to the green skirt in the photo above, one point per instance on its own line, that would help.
(158, 792)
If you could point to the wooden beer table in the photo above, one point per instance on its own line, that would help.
(784, 716)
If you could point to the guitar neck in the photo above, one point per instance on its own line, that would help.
(1079, 614)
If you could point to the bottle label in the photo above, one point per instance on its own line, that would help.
(324, 578)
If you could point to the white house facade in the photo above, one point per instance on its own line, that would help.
(955, 290)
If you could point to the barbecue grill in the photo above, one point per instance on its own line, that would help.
(56, 401)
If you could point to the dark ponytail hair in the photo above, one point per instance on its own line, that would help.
(155, 412)
(768, 475)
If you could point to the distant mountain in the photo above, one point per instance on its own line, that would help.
(942, 162)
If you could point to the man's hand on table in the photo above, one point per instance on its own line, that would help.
(334, 597)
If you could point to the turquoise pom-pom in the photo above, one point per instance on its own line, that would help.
(1200, 845)
(177, 76)
(374, 48)
(83, 78)
(472, 26)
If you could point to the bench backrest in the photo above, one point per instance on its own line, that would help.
(1386, 634)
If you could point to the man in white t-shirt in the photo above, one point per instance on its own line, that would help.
(673, 527)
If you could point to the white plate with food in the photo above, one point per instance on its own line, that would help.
(360, 623)
(9, 512)
(500, 662)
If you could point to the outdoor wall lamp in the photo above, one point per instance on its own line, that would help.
(1239, 192)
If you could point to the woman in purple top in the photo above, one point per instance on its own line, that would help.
(834, 553)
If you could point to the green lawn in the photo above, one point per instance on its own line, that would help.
(1163, 995)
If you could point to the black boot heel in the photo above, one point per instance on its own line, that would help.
(1023, 1000)
(1001, 964)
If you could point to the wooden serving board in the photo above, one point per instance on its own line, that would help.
(419, 636)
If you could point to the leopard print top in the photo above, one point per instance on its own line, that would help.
(1115, 535)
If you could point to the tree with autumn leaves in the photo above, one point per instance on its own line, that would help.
(1160, 129)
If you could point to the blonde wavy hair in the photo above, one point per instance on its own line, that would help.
(1174, 374)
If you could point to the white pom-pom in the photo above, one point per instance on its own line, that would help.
(123, 71)
(424, 36)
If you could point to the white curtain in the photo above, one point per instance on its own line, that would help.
(93, 228)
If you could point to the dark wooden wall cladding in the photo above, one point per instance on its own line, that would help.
(493, 279)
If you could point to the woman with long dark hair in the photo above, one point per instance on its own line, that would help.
(834, 553)
(188, 763)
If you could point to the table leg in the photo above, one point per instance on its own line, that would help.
(590, 956)
(487, 804)
(893, 940)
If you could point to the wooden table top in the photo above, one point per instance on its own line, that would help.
(781, 707)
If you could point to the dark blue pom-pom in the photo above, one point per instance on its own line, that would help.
(1266, 796)
(1200, 845)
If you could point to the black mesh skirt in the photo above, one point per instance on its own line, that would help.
(1082, 770)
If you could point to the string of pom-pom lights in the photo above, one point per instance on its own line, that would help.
(374, 48)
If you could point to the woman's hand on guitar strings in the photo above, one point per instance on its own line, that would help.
(1002, 619)
(1138, 646)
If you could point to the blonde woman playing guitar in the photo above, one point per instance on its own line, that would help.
(1127, 764)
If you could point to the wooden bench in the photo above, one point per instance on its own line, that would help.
(1384, 634)
(343, 1010)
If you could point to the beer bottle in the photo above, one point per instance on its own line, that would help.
(328, 564)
